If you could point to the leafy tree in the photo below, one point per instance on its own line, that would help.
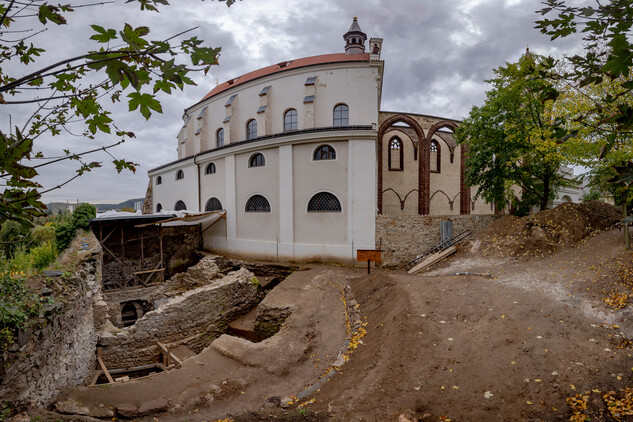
(64, 234)
(606, 61)
(12, 235)
(124, 65)
(82, 216)
(514, 139)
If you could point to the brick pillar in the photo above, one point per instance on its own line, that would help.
(464, 191)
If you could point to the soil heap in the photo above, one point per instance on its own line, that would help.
(545, 231)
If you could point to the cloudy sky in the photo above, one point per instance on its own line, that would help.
(437, 55)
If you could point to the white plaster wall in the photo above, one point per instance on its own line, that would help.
(263, 181)
(311, 177)
(172, 190)
(354, 84)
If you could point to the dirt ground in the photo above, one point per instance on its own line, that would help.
(482, 337)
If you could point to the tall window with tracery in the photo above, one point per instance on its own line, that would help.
(395, 154)
(435, 158)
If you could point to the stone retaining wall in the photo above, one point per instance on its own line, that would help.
(58, 350)
(194, 319)
(403, 237)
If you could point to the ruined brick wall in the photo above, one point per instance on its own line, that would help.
(194, 319)
(403, 237)
(58, 351)
(148, 205)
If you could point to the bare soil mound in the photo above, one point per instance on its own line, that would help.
(545, 231)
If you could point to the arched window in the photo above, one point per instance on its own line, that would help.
(159, 207)
(159, 180)
(257, 160)
(435, 159)
(324, 152)
(180, 175)
(180, 206)
(291, 120)
(210, 168)
(395, 154)
(341, 115)
(219, 138)
(324, 202)
(251, 129)
(257, 203)
(213, 204)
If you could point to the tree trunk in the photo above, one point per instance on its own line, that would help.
(627, 240)
(545, 198)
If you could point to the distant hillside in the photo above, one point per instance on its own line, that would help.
(55, 207)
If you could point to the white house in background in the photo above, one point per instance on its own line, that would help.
(300, 157)
(567, 194)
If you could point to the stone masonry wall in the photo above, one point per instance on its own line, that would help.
(194, 319)
(403, 237)
(58, 351)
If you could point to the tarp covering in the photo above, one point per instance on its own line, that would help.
(191, 219)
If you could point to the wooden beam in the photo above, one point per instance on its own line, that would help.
(102, 365)
(432, 259)
(168, 354)
(149, 271)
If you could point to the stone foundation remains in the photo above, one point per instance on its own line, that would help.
(192, 309)
(403, 237)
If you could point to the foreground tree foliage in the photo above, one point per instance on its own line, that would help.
(602, 73)
(125, 65)
(515, 139)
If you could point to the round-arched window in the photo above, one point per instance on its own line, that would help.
(219, 138)
(213, 204)
(291, 120)
(159, 207)
(180, 175)
(324, 202)
(341, 115)
(210, 168)
(257, 160)
(159, 180)
(257, 203)
(324, 152)
(180, 206)
(251, 129)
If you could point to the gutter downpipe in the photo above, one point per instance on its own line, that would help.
(199, 188)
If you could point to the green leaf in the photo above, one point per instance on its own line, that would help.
(145, 103)
(103, 35)
(48, 12)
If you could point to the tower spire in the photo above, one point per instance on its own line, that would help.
(355, 39)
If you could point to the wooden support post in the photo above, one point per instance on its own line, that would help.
(160, 240)
(142, 252)
(102, 365)
(368, 266)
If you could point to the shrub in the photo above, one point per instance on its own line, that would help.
(43, 234)
(12, 235)
(18, 303)
(82, 216)
(43, 255)
(64, 234)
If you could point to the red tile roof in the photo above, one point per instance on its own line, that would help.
(292, 64)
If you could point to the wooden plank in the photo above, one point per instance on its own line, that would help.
(149, 271)
(103, 367)
(168, 354)
(372, 255)
(95, 378)
(432, 259)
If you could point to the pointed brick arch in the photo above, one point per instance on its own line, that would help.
(423, 172)
(464, 191)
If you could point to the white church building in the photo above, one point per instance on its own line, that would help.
(302, 160)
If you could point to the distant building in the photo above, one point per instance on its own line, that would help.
(302, 160)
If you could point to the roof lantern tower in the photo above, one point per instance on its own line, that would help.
(355, 39)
